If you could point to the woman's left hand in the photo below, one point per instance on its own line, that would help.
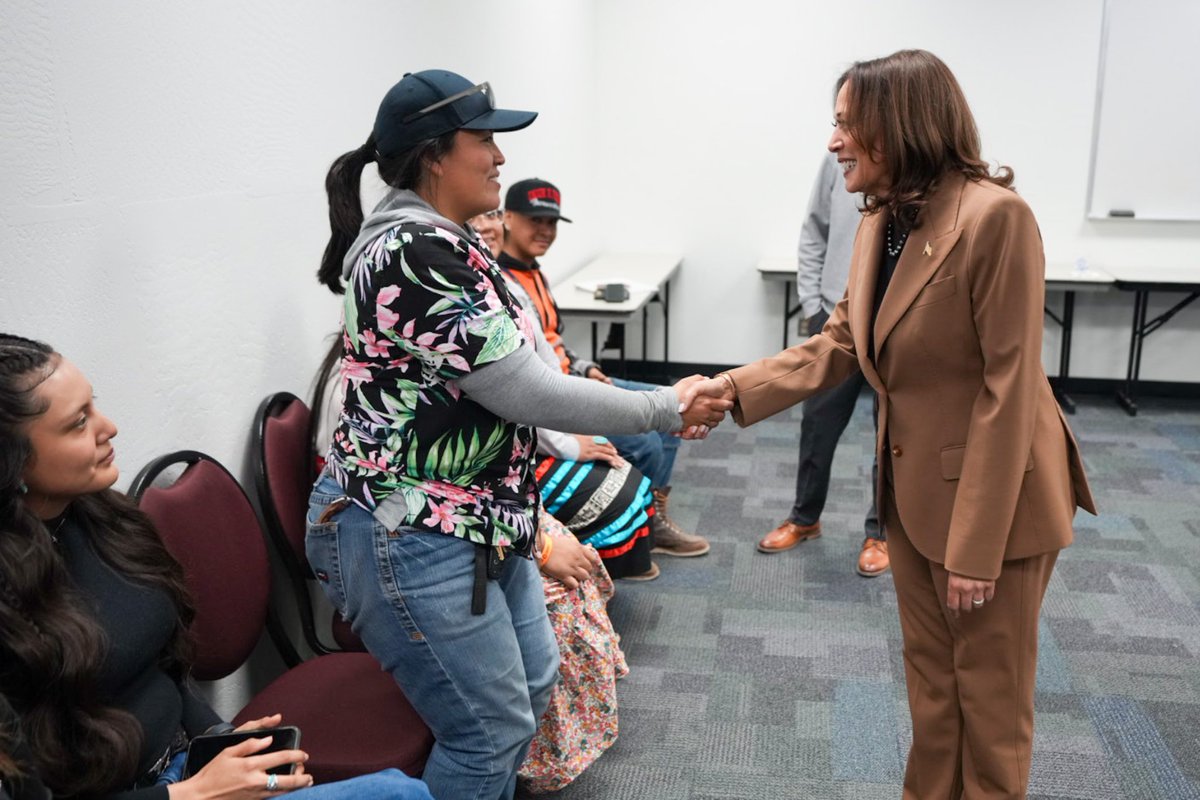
(570, 562)
(273, 721)
(968, 594)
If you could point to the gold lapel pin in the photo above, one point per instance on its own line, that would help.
(928, 249)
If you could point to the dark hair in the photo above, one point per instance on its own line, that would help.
(406, 170)
(51, 646)
(325, 374)
(10, 737)
(837, 87)
(910, 106)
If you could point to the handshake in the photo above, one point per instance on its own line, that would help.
(703, 403)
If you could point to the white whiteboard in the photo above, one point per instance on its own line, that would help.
(1146, 142)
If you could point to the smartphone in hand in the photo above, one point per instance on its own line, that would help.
(206, 747)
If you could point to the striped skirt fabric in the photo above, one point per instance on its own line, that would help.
(605, 507)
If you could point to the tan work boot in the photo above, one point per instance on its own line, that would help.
(669, 538)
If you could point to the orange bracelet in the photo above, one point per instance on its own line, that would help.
(547, 548)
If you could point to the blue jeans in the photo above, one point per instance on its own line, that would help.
(480, 682)
(653, 454)
(390, 784)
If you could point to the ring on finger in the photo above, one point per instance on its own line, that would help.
(272, 782)
(978, 601)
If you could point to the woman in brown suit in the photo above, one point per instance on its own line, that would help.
(979, 473)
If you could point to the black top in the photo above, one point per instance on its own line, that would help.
(887, 268)
(138, 621)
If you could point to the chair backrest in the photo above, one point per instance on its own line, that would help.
(208, 525)
(284, 470)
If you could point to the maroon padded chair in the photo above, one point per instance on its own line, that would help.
(284, 471)
(352, 715)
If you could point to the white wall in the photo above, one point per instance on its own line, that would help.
(712, 119)
(162, 211)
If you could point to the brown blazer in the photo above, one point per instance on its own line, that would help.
(982, 461)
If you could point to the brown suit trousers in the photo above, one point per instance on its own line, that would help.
(970, 676)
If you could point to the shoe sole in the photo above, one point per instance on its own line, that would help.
(872, 574)
(648, 575)
(693, 554)
(770, 550)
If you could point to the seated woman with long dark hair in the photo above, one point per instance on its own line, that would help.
(94, 614)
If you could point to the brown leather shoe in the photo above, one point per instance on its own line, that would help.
(873, 559)
(787, 536)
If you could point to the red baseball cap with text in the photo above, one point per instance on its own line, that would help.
(535, 197)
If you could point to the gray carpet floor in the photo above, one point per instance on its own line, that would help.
(756, 676)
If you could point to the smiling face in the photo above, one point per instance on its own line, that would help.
(864, 169)
(72, 443)
(528, 237)
(490, 227)
(465, 181)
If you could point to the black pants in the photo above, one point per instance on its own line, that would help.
(826, 415)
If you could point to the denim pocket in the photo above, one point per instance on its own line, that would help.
(426, 578)
(321, 547)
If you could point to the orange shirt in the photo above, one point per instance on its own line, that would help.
(534, 284)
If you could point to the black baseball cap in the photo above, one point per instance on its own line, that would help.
(427, 104)
(535, 197)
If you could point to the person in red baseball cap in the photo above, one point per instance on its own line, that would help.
(532, 211)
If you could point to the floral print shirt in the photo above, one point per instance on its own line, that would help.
(424, 307)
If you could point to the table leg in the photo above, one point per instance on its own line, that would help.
(666, 304)
(624, 363)
(1127, 396)
(787, 311)
(595, 351)
(645, 355)
(1064, 356)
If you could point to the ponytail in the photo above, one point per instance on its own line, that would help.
(405, 170)
(342, 184)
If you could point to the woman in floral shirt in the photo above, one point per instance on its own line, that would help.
(421, 526)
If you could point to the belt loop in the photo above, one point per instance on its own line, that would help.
(479, 590)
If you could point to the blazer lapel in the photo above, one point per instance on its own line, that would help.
(928, 245)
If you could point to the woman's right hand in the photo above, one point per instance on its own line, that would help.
(237, 773)
(702, 404)
(597, 448)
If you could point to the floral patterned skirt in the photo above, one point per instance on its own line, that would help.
(581, 722)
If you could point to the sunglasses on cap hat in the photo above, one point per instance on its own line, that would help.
(484, 88)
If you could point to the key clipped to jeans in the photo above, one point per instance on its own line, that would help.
(490, 563)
